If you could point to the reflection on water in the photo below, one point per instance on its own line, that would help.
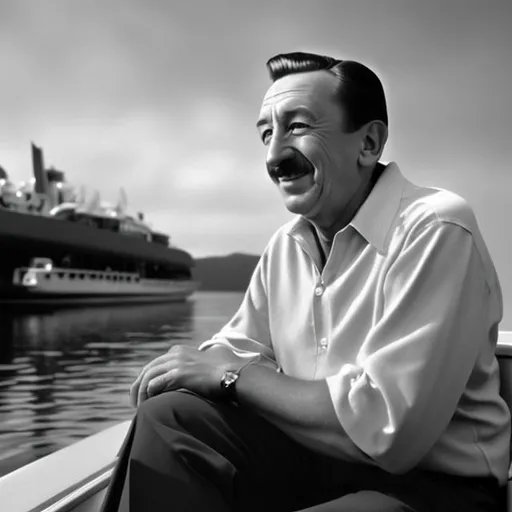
(65, 374)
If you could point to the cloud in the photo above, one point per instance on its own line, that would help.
(161, 98)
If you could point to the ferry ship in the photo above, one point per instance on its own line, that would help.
(60, 248)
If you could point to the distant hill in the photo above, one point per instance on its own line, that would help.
(225, 273)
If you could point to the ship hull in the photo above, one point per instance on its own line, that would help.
(23, 230)
(52, 286)
(89, 300)
(24, 236)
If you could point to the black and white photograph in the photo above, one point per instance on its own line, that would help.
(255, 256)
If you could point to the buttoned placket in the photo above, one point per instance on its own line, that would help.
(320, 326)
(319, 306)
(321, 309)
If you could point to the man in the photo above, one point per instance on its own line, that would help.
(359, 372)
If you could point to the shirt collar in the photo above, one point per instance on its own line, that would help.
(375, 216)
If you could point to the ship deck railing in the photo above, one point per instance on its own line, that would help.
(107, 275)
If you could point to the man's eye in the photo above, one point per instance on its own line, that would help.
(294, 127)
(265, 136)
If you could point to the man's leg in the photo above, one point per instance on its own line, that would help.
(184, 453)
(363, 501)
(370, 488)
(189, 454)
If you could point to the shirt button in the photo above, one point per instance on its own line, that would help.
(323, 343)
(319, 290)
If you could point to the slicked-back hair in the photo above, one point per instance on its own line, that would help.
(360, 92)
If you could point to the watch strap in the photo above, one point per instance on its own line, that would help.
(228, 382)
(228, 385)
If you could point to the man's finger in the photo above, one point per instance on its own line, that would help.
(134, 388)
(148, 377)
(165, 382)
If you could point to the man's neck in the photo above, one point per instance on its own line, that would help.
(326, 233)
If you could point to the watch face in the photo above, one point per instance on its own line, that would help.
(227, 384)
(230, 378)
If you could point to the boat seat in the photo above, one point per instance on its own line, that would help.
(504, 352)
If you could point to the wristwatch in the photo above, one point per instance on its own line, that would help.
(228, 381)
(227, 385)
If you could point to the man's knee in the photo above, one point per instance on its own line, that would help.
(172, 409)
(373, 501)
(363, 501)
(184, 430)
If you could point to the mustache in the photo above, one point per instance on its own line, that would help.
(291, 166)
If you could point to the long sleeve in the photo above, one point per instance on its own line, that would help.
(401, 393)
(248, 332)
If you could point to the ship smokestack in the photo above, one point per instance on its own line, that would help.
(42, 185)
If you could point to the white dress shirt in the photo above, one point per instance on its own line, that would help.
(402, 323)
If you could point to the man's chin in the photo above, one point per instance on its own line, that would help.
(300, 205)
(302, 200)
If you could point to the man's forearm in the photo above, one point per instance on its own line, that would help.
(295, 404)
(305, 405)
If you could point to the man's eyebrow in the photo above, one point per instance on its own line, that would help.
(301, 110)
(290, 113)
(261, 122)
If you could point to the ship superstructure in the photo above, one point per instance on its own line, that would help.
(47, 219)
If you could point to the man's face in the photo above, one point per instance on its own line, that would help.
(309, 156)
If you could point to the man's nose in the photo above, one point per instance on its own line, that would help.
(277, 151)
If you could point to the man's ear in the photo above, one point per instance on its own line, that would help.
(374, 137)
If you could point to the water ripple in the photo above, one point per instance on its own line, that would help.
(65, 375)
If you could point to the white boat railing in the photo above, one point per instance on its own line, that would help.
(88, 489)
(504, 347)
(63, 480)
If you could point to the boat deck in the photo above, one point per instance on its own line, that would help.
(75, 478)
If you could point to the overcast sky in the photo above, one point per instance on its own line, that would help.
(161, 97)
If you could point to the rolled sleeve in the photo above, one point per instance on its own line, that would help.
(399, 396)
(248, 333)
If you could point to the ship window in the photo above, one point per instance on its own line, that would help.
(47, 276)
(114, 278)
(92, 276)
(137, 279)
(71, 275)
(107, 277)
(60, 275)
(81, 276)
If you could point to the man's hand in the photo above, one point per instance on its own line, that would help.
(185, 367)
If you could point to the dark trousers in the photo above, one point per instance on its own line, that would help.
(185, 454)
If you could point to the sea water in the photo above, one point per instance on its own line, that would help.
(65, 374)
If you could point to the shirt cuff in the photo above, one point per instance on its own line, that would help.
(265, 360)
